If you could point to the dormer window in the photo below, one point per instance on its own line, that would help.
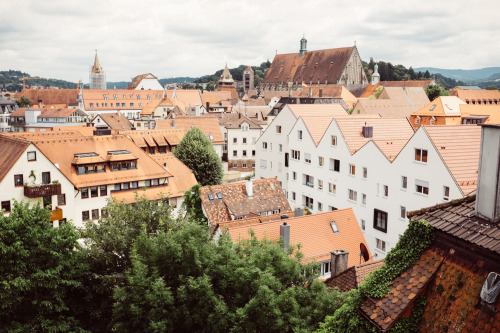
(105, 97)
(115, 97)
(210, 197)
(219, 195)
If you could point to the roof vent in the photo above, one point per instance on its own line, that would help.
(367, 131)
(433, 107)
(491, 288)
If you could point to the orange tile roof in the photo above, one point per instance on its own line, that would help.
(370, 90)
(116, 121)
(96, 96)
(215, 97)
(477, 95)
(441, 106)
(353, 277)
(269, 94)
(314, 233)
(235, 120)
(317, 110)
(267, 195)
(51, 96)
(257, 102)
(81, 129)
(48, 112)
(208, 125)
(475, 110)
(151, 193)
(389, 134)
(317, 125)
(12, 148)
(458, 146)
(223, 226)
(384, 312)
(321, 66)
(329, 91)
(139, 78)
(183, 177)
(62, 151)
(189, 97)
(31, 136)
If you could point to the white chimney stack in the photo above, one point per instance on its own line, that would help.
(197, 108)
(249, 188)
(488, 184)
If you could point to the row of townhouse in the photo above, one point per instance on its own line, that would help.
(76, 175)
(378, 166)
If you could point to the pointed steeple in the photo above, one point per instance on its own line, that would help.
(226, 75)
(303, 46)
(97, 67)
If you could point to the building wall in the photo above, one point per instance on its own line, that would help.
(251, 136)
(380, 172)
(149, 84)
(97, 80)
(270, 161)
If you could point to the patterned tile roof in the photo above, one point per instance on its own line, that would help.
(51, 96)
(353, 277)
(183, 177)
(267, 195)
(314, 233)
(369, 90)
(458, 219)
(115, 121)
(442, 106)
(458, 146)
(152, 138)
(208, 125)
(12, 148)
(329, 91)
(384, 312)
(477, 95)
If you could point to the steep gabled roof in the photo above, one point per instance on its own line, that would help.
(317, 110)
(183, 178)
(51, 96)
(314, 233)
(116, 121)
(12, 149)
(370, 89)
(458, 146)
(448, 106)
(477, 95)
(389, 134)
(353, 277)
(324, 66)
(207, 124)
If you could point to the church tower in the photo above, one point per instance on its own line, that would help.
(97, 77)
(375, 76)
(226, 83)
(303, 46)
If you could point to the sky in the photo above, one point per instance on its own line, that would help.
(170, 38)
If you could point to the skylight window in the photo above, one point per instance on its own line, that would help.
(335, 229)
(449, 107)
(219, 195)
(118, 152)
(433, 107)
(82, 155)
(210, 197)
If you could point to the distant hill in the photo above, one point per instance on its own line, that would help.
(10, 80)
(464, 74)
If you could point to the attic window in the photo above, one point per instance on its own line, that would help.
(449, 107)
(335, 229)
(433, 107)
(219, 195)
(118, 152)
(82, 155)
(210, 197)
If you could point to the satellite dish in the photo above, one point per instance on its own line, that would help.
(364, 252)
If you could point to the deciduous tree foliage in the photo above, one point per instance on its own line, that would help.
(434, 91)
(192, 205)
(23, 102)
(196, 151)
(183, 282)
(39, 270)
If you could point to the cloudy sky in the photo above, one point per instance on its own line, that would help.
(58, 38)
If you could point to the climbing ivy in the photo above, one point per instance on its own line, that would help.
(410, 325)
(409, 248)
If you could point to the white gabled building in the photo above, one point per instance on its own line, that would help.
(272, 152)
(381, 169)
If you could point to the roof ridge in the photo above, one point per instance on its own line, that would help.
(451, 203)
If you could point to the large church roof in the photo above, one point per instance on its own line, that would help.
(324, 66)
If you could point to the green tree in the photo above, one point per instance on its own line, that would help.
(196, 151)
(108, 251)
(184, 282)
(23, 102)
(39, 270)
(434, 91)
(427, 75)
(492, 88)
(192, 205)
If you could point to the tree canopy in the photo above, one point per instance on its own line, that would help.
(40, 268)
(23, 102)
(435, 90)
(197, 152)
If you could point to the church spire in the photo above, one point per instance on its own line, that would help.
(303, 46)
(97, 67)
(226, 76)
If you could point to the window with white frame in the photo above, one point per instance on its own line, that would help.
(403, 212)
(320, 184)
(278, 129)
(352, 169)
(320, 207)
(365, 172)
(321, 161)
(404, 182)
(264, 145)
(380, 244)
(363, 224)
(299, 134)
(353, 195)
(307, 158)
(296, 155)
(334, 165)
(363, 199)
(333, 140)
(332, 188)
(235, 164)
(386, 191)
(326, 267)
(421, 155)
(421, 187)
(294, 196)
(294, 175)
(446, 193)
(244, 165)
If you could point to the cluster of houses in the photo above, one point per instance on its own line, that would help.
(341, 164)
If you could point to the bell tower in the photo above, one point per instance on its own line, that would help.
(303, 46)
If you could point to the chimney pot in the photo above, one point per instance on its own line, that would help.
(339, 261)
(285, 234)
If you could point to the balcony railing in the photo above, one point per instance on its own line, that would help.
(39, 191)
(57, 214)
(16, 122)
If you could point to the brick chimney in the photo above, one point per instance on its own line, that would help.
(488, 179)
(339, 261)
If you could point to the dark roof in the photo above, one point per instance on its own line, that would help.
(324, 66)
(353, 277)
(267, 195)
(458, 218)
(51, 96)
(12, 149)
(384, 312)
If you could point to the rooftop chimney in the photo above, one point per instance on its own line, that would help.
(197, 108)
(173, 120)
(367, 131)
(488, 184)
(339, 261)
(299, 212)
(249, 188)
(285, 231)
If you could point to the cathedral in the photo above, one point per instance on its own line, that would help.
(97, 77)
(331, 67)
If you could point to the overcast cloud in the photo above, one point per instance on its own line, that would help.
(57, 38)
